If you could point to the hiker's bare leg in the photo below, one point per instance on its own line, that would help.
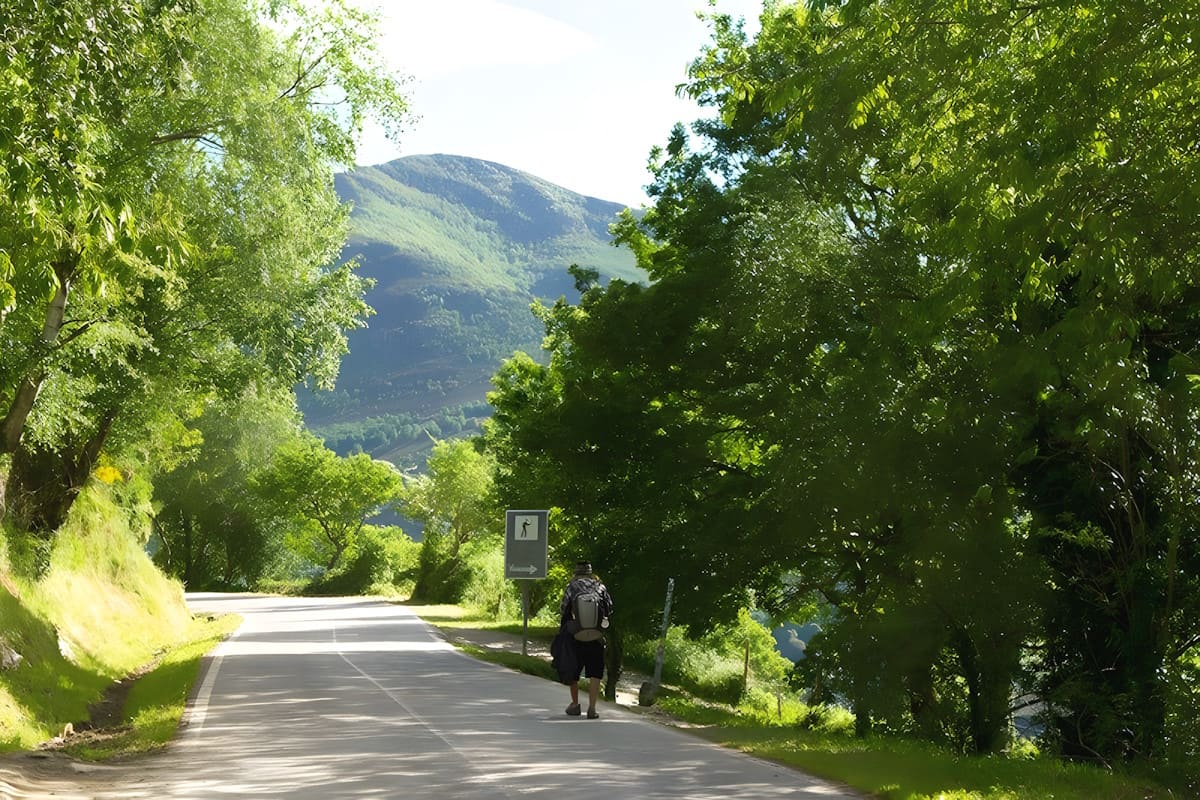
(575, 693)
(593, 693)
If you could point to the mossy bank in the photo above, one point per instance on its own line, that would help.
(79, 617)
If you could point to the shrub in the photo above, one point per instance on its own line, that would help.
(383, 562)
(485, 589)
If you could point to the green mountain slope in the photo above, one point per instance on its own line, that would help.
(459, 249)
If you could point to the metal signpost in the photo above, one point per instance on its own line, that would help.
(525, 537)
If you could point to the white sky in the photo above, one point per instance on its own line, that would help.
(572, 91)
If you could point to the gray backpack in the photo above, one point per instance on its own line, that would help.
(588, 612)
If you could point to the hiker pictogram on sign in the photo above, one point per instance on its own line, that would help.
(527, 529)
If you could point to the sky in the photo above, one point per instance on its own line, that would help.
(576, 92)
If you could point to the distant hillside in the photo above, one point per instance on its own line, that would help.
(459, 248)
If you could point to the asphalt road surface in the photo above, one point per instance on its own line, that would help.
(356, 698)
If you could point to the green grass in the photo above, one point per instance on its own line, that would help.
(898, 769)
(449, 616)
(530, 665)
(157, 700)
(102, 599)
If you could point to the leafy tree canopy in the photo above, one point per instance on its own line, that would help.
(326, 498)
(172, 220)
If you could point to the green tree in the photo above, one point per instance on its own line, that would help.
(325, 500)
(1028, 201)
(899, 351)
(195, 189)
(453, 501)
(211, 530)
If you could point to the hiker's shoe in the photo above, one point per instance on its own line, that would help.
(593, 714)
(573, 710)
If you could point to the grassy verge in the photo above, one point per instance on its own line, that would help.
(530, 665)
(99, 613)
(156, 701)
(899, 769)
(448, 616)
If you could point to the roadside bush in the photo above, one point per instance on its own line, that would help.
(699, 669)
(485, 589)
(441, 577)
(749, 641)
(383, 562)
(773, 708)
(830, 719)
(545, 595)
(396, 557)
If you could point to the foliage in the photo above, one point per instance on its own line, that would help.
(211, 530)
(750, 640)
(919, 342)
(1034, 239)
(487, 587)
(170, 227)
(453, 501)
(324, 500)
(690, 664)
(727, 664)
(384, 563)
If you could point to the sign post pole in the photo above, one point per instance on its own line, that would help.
(525, 614)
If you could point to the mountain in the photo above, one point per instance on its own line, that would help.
(459, 249)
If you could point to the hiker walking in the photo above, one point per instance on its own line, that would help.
(584, 612)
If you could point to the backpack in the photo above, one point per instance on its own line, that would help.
(587, 608)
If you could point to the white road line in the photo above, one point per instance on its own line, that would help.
(493, 781)
(197, 711)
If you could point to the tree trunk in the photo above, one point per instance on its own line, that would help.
(922, 701)
(13, 425)
(1143, 655)
(189, 579)
(862, 714)
(36, 491)
(988, 690)
(42, 485)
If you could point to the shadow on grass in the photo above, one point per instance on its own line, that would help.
(48, 689)
(155, 703)
(892, 768)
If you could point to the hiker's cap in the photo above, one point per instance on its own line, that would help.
(583, 568)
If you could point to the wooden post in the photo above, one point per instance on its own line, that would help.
(650, 688)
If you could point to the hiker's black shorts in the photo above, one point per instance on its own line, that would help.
(591, 658)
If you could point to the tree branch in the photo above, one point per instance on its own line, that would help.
(303, 73)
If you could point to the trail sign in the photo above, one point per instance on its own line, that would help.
(525, 535)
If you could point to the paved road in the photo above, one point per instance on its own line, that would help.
(354, 698)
